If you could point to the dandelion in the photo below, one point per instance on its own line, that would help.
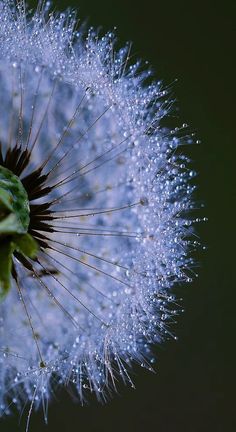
(95, 201)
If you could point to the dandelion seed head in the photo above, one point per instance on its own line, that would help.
(110, 197)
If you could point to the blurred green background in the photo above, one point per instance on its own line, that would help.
(191, 391)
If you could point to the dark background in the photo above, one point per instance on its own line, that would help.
(192, 390)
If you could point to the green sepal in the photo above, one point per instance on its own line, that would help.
(26, 245)
(6, 251)
(23, 244)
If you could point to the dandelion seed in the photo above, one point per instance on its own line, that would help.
(94, 210)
